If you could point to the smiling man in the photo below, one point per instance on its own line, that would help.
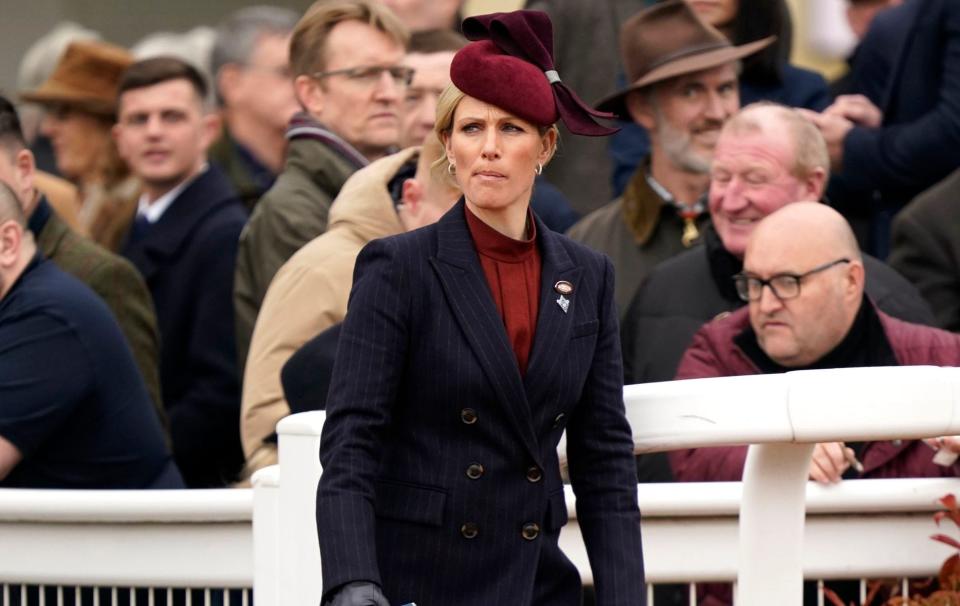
(767, 156)
(345, 59)
(684, 88)
(184, 242)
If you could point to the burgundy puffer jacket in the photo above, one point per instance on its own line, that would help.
(713, 353)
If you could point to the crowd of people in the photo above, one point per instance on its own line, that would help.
(325, 210)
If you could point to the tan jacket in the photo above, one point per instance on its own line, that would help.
(308, 295)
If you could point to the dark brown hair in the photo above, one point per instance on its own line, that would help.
(162, 69)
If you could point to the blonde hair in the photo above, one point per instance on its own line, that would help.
(447, 104)
(309, 40)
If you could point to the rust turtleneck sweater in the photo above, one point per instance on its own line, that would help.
(512, 269)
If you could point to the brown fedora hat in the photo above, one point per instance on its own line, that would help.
(86, 78)
(667, 40)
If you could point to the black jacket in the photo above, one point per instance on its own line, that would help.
(187, 259)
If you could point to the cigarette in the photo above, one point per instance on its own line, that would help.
(852, 459)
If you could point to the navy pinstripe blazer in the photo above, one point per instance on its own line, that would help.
(441, 480)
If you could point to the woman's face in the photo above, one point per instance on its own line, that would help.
(78, 140)
(718, 13)
(495, 154)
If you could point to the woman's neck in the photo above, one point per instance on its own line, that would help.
(510, 221)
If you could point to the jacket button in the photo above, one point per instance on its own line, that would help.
(530, 531)
(558, 420)
(468, 416)
(474, 471)
(469, 530)
(534, 474)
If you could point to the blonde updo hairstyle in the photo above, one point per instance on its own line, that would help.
(447, 104)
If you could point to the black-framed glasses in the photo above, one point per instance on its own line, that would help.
(784, 286)
(370, 75)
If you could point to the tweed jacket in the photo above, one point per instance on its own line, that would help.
(117, 282)
(187, 259)
(441, 479)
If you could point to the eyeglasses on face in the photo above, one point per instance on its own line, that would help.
(784, 286)
(371, 75)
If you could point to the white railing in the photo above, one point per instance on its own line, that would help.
(204, 539)
(158, 540)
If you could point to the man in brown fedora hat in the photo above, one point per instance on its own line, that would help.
(683, 76)
(80, 100)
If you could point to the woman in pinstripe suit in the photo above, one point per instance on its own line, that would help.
(468, 347)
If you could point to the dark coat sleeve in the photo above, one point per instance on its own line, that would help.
(926, 250)
(602, 472)
(914, 153)
(367, 372)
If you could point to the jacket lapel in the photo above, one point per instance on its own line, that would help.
(461, 277)
(553, 322)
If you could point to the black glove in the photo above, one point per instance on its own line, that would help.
(358, 593)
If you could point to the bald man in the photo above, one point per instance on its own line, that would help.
(803, 280)
(74, 409)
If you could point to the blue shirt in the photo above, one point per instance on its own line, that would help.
(71, 397)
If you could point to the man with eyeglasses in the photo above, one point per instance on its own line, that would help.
(251, 67)
(766, 157)
(346, 63)
(803, 280)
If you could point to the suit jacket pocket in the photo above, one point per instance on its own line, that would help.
(407, 502)
(587, 328)
(556, 511)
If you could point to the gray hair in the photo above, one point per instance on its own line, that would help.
(237, 35)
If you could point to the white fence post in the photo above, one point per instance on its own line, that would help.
(266, 537)
(299, 472)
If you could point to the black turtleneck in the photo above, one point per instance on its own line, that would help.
(723, 265)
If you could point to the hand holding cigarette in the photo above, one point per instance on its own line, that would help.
(830, 460)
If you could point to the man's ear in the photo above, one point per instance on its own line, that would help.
(11, 236)
(211, 124)
(412, 195)
(227, 79)
(25, 168)
(856, 279)
(310, 94)
(640, 109)
(815, 183)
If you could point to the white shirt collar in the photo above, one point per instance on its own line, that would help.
(153, 211)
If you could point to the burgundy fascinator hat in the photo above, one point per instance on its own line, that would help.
(509, 64)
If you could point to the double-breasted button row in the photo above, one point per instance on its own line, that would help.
(474, 471)
(534, 474)
(469, 530)
(468, 416)
(530, 531)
